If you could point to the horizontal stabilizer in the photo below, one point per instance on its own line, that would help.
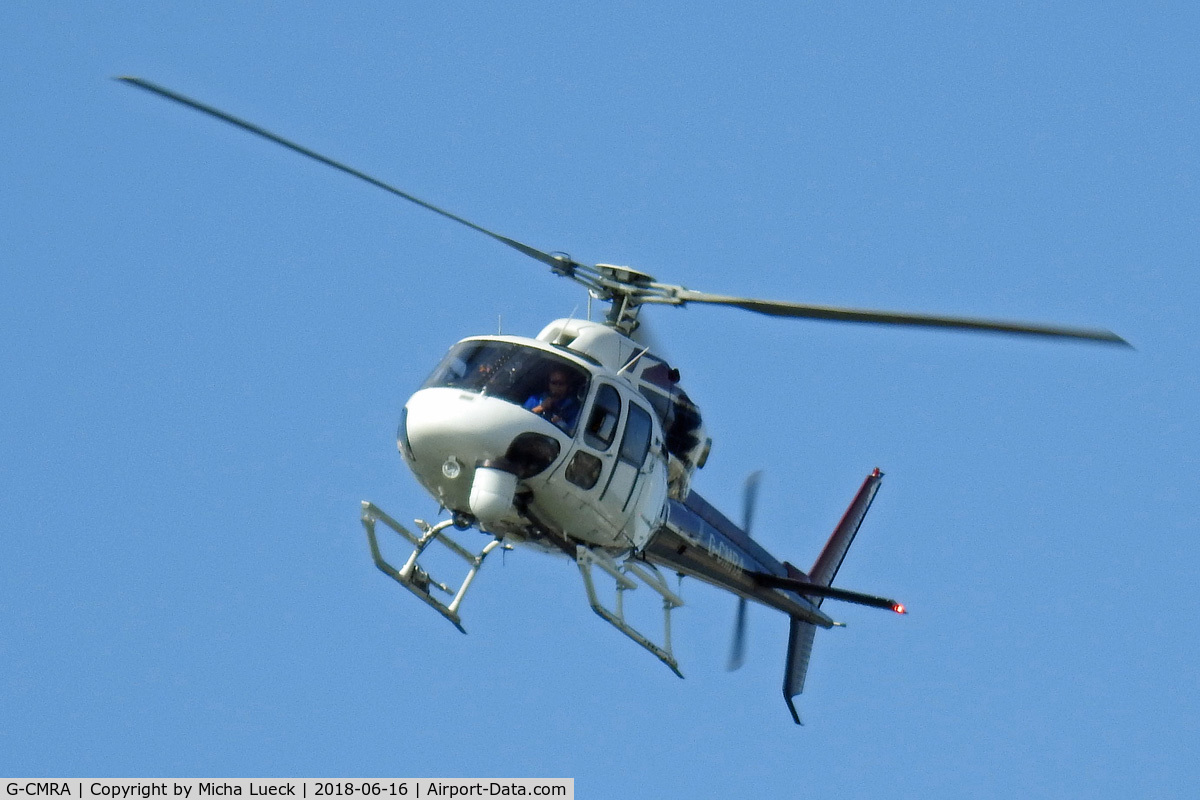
(818, 590)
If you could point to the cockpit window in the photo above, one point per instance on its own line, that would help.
(550, 386)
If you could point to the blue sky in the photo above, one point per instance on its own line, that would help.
(207, 341)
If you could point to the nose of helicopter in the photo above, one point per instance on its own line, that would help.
(445, 432)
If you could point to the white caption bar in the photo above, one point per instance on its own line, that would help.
(302, 788)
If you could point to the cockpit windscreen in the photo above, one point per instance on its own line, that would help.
(513, 372)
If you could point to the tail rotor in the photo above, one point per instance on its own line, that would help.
(737, 651)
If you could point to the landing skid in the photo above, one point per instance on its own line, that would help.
(649, 575)
(415, 578)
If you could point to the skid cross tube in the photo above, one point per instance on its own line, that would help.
(649, 575)
(412, 576)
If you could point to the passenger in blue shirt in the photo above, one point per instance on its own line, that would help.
(558, 403)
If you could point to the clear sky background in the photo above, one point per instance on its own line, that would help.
(206, 340)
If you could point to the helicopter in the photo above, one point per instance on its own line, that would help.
(581, 442)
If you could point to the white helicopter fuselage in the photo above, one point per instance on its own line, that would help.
(582, 442)
(598, 475)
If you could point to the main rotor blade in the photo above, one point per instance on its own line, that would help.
(558, 264)
(781, 309)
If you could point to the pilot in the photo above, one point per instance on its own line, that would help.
(558, 403)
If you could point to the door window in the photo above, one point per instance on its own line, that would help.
(602, 423)
(636, 442)
(584, 470)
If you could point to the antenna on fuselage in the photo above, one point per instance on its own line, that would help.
(636, 358)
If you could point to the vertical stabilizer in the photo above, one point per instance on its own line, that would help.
(830, 561)
(800, 642)
(800, 638)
